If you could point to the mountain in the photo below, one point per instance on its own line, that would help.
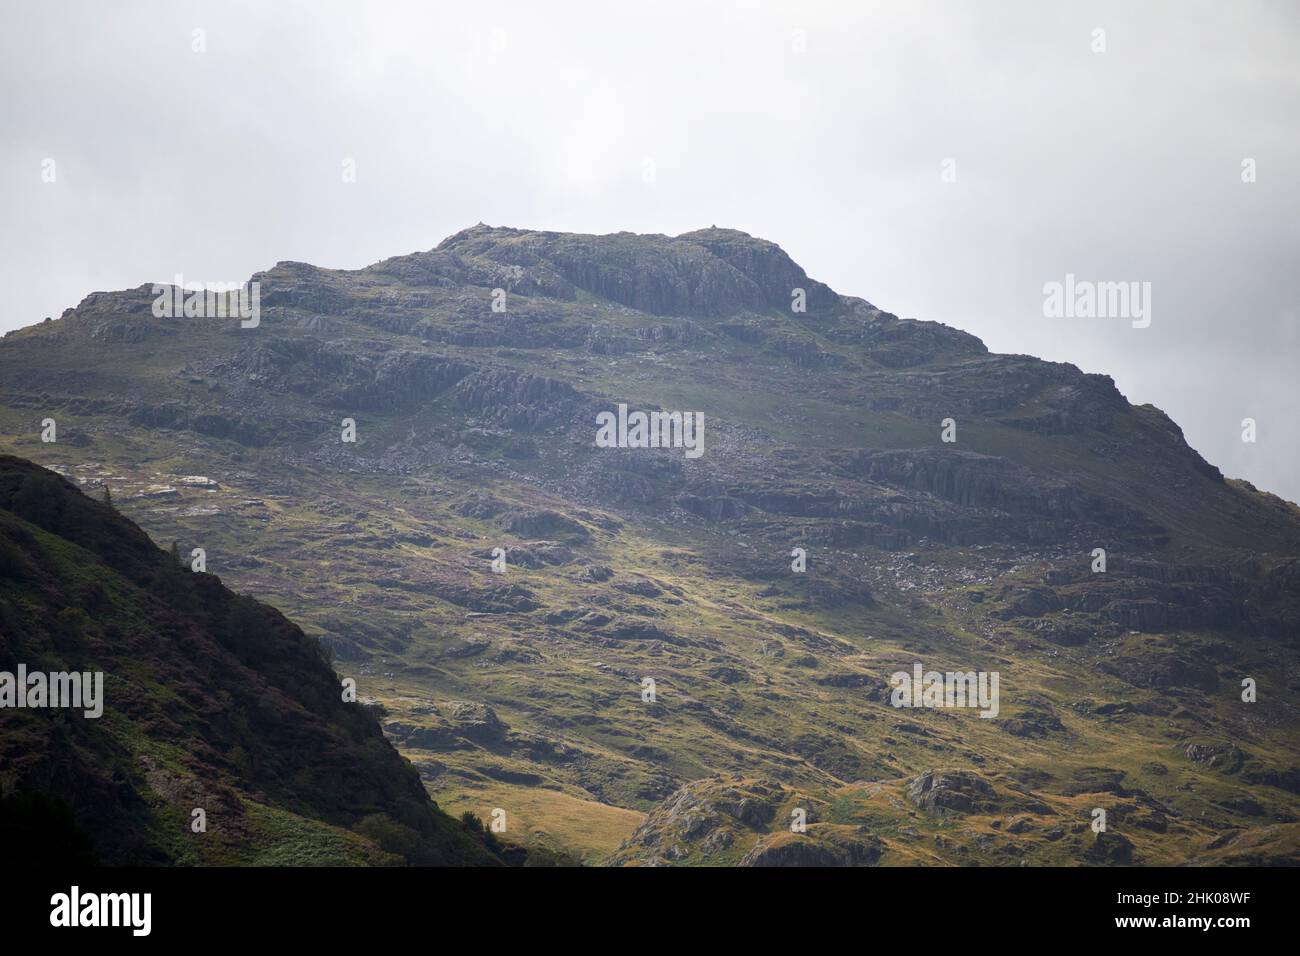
(209, 701)
(475, 375)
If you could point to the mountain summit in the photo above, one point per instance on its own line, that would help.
(640, 656)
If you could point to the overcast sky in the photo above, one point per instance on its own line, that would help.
(821, 126)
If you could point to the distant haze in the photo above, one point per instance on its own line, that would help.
(823, 127)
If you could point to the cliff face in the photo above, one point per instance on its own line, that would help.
(949, 505)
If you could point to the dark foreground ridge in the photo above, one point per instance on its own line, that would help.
(211, 701)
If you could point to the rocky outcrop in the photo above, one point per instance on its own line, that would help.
(544, 524)
(954, 791)
(1109, 848)
(1223, 757)
(672, 278)
(486, 599)
(304, 287)
(714, 508)
(814, 848)
(1158, 669)
(475, 721)
(515, 399)
(983, 481)
(704, 818)
(402, 381)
